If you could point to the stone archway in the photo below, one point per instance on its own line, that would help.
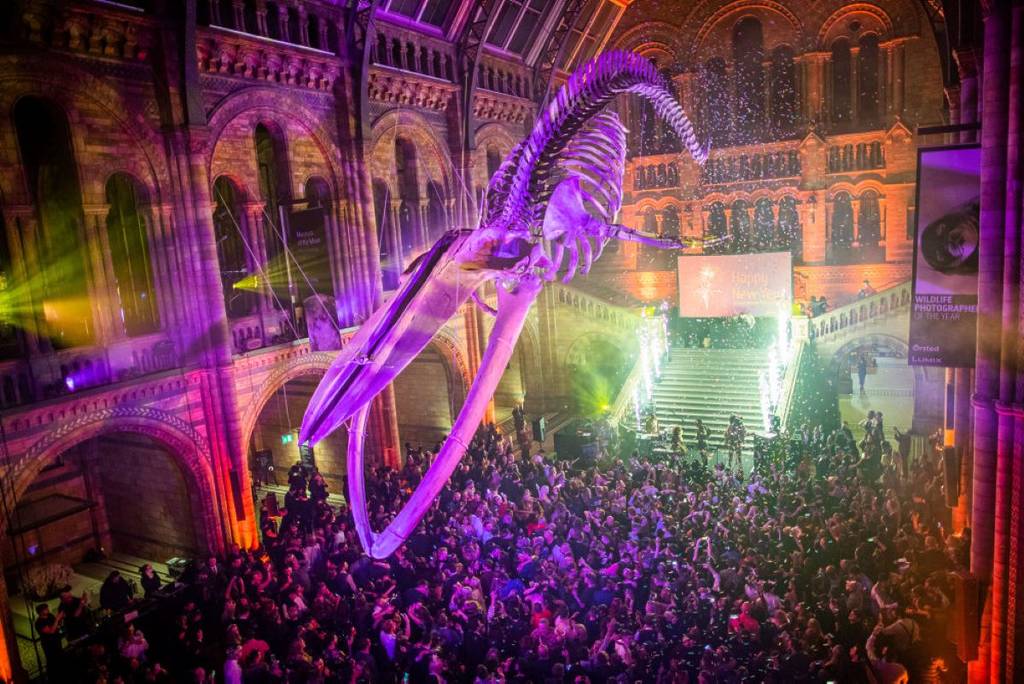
(185, 455)
(187, 447)
(311, 364)
(910, 396)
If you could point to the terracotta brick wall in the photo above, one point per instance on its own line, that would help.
(145, 497)
(422, 417)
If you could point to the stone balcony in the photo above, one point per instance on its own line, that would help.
(226, 52)
(120, 32)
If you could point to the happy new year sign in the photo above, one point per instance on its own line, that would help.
(729, 285)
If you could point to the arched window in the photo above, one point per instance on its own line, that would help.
(332, 38)
(390, 263)
(313, 31)
(647, 254)
(273, 180)
(785, 94)
(842, 110)
(842, 220)
(670, 223)
(748, 55)
(764, 225)
(249, 16)
(493, 161)
(673, 175)
(128, 238)
(273, 21)
(294, 36)
(717, 229)
(790, 233)
(650, 221)
(203, 12)
(868, 99)
(51, 174)
(226, 13)
(239, 285)
(715, 105)
(739, 227)
(406, 172)
(437, 221)
(869, 220)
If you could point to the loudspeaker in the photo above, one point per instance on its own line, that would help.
(951, 470)
(539, 429)
(567, 445)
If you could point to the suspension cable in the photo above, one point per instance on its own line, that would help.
(288, 254)
(256, 261)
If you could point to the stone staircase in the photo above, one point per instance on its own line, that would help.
(711, 384)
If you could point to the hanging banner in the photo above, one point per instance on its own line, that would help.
(308, 244)
(734, 284)
(944, 311)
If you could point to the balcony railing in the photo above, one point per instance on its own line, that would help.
(656, 176)
(861, 311)
(755, 166)
(412, 52)
(55, 374)
(856, 157)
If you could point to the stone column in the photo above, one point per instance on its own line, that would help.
(815, 96)
(987, 423)
(394, 230)
(684, 85)
(22, 227)
(883, 223)
(855, 84)
(967, 66)
(898, 78)
(163, 220)
(239, 15)
(340, 269)
(423, 229)
(321, 29)
(812, 227)
(967, 112)
(261, 18)
(855, 207)
(103, 281)
(730, 85)
(215, 17)
(250, 223)
(282, 22)
(1006, 540)
(163, 288)
(213, 342)
(303, 25)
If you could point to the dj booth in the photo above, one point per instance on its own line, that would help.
(584, 441)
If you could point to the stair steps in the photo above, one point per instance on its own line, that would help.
(711, 384)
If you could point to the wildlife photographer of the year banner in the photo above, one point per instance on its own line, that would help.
(734, 284)
(944, 310)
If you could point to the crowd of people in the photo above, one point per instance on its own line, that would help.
(839, 568)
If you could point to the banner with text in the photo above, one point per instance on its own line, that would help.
(944, 313)
(734, 284)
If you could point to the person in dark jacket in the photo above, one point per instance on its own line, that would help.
(116, 593)
(150, 580)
